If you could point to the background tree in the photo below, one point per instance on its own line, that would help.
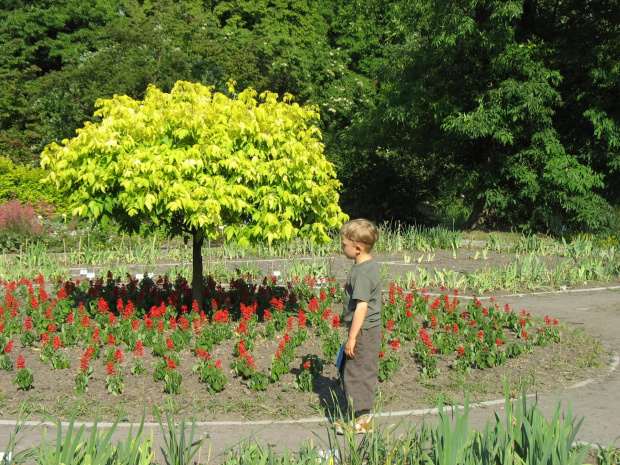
(469, 108)
(497, 113)
(191, 160)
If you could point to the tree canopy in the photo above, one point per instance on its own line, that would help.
(504, 112)
(192, 160)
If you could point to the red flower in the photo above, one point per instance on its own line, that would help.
(111, 369)
(111, 340)
(335, 322)
(522, 322)
(85, 322)
(301, 319)
(21, 363)
(313, 305)
(203, 354)
(102, 305)
(45, 338)
(499, 342)
(480, 335)
(247, 311)
(218, 364)
(461, 351)
(307, 365)
(160, 326)
(56, 344)
(171, 365)
(28, 324)
(129, 310)
(326, 314)
(278, 304)
(70, 318)
(286, 338)
(9, 347)
(242, 328)
(381, 354)
(118, 356)
(139, 349)
(426, 339)
(89, 352)
(267, 315)
(289, 323)
(395, 344)
(84, 364)
(169, 344)
(524, 335)
(221, 316)
(390, 325)
(195, 306)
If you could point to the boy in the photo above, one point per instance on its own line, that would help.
(362, 313)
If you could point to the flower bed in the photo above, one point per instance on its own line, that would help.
(249, 337)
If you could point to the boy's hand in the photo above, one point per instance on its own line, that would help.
(349, 346)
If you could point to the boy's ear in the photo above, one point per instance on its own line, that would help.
(359, 247)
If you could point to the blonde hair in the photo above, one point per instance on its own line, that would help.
(360, 230)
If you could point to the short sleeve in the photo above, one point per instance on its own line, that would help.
(362, 289)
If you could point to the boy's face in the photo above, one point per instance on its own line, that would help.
(349, 248)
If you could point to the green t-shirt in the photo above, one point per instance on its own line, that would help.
(363, 283)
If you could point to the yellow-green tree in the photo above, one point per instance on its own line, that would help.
(192, 160)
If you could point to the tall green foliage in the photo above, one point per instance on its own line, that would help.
(505, 109)
(472, 99)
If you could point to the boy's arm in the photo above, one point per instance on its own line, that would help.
(356, 326)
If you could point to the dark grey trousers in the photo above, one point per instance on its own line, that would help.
(361, 372)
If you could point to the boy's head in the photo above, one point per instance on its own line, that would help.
(360, 231)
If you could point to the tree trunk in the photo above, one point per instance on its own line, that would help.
(474, 218)
(197, 268)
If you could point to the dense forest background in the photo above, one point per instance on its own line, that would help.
(497, 114)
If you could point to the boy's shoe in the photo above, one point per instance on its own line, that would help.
(364, 424)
